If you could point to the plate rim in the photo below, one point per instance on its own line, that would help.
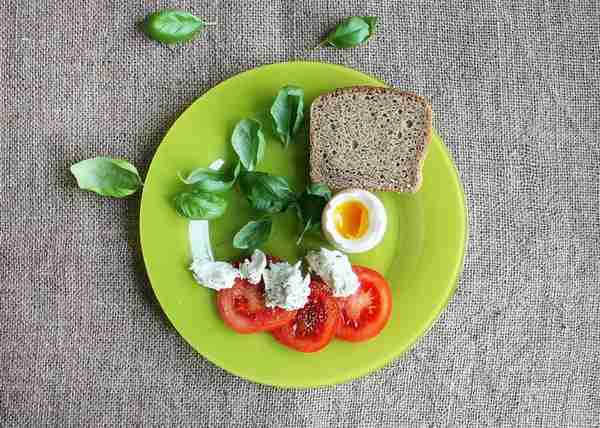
(385, 361)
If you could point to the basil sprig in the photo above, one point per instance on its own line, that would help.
(200, 206)
(310, 207)
(107, 176)
(248, 141)
(266, 192)
(287, 112)
(201, 200)
(210, 180)
(351, 32)
(253, 234)
(173, 26)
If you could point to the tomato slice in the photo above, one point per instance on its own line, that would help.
(365, 313)
(242, 307)
(314, 325)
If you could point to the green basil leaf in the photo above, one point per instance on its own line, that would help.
(287, 112)
(106, 176)
(352, 32)
(319, 190)
(209, 180)
(199, 206)
(253, 234)
(310, 207)
(372, 21)
(248, 141)
(173, 26)
(265, 192)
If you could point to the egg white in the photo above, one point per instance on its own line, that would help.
(377, 219)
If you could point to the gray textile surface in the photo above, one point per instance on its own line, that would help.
(516, 91)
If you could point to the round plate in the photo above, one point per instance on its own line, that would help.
(421, 255)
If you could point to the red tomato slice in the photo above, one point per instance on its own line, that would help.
(242, 307)
(365, 313)
(314, 325)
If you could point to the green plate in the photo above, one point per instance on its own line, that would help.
(421, 254)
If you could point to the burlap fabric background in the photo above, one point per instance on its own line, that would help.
(516, 91)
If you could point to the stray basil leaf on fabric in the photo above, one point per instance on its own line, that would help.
(173, 26)
(352, 32)
(107, 176)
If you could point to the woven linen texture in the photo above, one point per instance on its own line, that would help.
(515, 87)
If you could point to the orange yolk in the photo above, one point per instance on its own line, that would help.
(351, 219)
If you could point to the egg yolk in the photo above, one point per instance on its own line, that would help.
(351, 219)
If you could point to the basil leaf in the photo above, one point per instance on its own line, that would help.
(253, 234)
(310, 207)
(107, 176)
(199, 206)
(372, 21)
(209, 180)
(352, 32)
(320, 190)
(173, 26)
(248, 141)
(287, 112)
(265, 192)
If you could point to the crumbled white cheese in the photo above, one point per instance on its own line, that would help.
(252, 269)
(284, 286)
(335, 269)
(215, 275)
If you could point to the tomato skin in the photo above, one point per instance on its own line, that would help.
(243, 309)
(364, 314)
(355, 318)
(315, 325)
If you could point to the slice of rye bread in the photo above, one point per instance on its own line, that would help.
(370, 138)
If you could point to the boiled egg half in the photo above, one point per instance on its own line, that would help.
(354, 221)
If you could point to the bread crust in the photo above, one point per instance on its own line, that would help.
(316, 170)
